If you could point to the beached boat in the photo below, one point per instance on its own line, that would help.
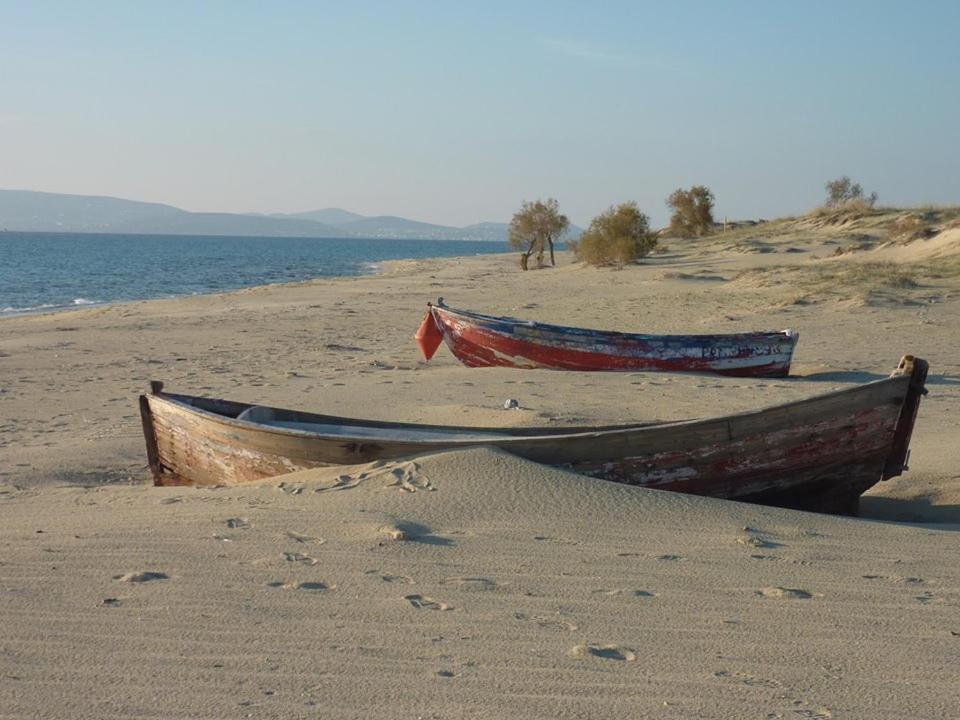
(820, 453)
(488, 341)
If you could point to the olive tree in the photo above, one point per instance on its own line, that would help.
(535, 227)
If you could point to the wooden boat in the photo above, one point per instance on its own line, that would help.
(819, 453)
(487, 341)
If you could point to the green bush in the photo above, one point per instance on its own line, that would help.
(616, 237)
(692, 211)
(843, 193)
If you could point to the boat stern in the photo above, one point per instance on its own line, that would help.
(149, 432)
(916, 369)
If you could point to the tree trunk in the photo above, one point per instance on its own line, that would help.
(553, 260)
(525, 256)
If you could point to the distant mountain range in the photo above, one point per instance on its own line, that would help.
(30, 211)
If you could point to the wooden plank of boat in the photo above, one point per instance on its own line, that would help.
(819, 453)
(487, 341)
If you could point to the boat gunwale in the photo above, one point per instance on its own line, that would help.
(786, 335)
(511, 435)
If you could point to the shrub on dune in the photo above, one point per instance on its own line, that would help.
(616, 237)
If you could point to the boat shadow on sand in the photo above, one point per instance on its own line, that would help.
(857, 376)
(910, 511)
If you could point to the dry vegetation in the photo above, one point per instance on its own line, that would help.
(851, 210)
(907, 228)
(846, 271)
(850, 229)
(616, 237)
(865, 282)
(943, 269)
(692, 214)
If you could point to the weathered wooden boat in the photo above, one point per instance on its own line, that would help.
(488, 341)
(820, 453)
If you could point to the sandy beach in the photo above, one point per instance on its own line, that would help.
(476, 584)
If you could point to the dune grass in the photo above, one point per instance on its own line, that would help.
(866, 282)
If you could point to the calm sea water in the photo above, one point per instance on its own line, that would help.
(49, 271)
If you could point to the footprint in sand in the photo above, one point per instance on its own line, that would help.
(400, 579)
(141, 577)
(783, 593)
(305, 539)
(558, 541)
(604, 652)
(342, 482)
(819, 714)
(422, 602)
(548, 622)
(622, 591)
(895, 578)
(310, 586)
(296, 557)
(403, 531)
(472, 584)
(408, 477)
(757, 542)
(747, 679)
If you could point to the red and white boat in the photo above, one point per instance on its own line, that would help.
(488, 341)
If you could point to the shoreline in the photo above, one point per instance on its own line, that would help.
(374, 268)
(79, 270)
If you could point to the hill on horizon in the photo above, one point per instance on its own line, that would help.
(391, 226)
(327, 216)
(37, 211)
(34, 211)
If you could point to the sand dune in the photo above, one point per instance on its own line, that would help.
(501, 588)
(476, 584)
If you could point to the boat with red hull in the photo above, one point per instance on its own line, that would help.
(488, 341)
(815, 454)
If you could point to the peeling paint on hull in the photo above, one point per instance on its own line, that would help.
(486, 341)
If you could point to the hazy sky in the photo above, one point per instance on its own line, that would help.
(454, 114)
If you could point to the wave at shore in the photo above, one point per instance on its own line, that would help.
(48, 272)
(77, 302)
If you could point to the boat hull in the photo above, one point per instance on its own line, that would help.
(817, 454)
(486, 341)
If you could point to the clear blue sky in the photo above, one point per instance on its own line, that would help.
(452, 113)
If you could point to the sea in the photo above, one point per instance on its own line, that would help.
(43, 272)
